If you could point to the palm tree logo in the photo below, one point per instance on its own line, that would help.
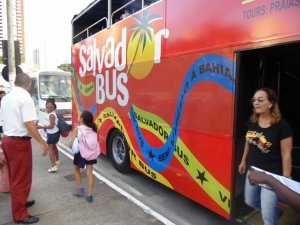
(141, 46)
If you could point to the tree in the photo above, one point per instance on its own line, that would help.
(66, 67)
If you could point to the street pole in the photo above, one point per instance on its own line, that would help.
(10, 44)
(109, 22)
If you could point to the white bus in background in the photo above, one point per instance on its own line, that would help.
(47, 83)
(52, 84)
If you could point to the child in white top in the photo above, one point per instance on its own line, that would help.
(53, 134)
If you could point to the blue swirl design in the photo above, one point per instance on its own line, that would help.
(215, 68)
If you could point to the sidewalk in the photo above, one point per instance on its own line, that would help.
(55, 203)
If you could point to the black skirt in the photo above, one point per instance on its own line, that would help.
(53, 138)
(81, 162)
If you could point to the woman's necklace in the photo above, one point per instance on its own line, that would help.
(264, 123)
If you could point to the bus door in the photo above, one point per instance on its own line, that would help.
(276, 67)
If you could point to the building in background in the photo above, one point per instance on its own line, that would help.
(36, 58)
(18, 21)
(3, 21)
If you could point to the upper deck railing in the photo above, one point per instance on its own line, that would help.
(102, 14)
(86, 31)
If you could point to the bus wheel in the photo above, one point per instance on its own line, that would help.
(119, 151)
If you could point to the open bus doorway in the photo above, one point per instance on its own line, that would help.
(276, 67)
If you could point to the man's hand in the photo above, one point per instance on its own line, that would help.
(31, 126)
(44, 148)
(2, 159)
(38, 126)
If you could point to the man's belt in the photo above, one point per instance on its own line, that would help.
(20, 137)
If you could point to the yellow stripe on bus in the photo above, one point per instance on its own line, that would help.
(111, 114)
(197, 171)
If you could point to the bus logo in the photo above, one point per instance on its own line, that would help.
(144, 45)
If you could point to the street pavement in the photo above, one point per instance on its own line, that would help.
(55, 203)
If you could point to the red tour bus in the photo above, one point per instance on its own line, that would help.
(170, 86)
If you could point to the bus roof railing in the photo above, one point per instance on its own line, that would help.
(123, 7)
(108, 19)
(87, 29)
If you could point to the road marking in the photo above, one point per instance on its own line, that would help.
(67, 151)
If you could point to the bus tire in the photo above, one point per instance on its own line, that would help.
(119, 152)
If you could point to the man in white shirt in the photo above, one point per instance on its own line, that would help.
(2, 94)
(19, 115)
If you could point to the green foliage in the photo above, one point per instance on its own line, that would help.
(1, 59)
(66, 67)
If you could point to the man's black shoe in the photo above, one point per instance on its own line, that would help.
(28, 220)
(29, 203)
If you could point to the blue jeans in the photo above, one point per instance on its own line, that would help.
(264, 200)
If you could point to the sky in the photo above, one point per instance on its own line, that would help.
(48, 28)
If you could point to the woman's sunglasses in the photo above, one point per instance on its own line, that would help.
(259, 100)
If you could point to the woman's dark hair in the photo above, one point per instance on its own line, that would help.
(52, 101)
(87, 118)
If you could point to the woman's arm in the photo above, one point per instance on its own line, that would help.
(286, 154)
(243, 164)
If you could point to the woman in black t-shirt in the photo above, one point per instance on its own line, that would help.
(269, 147)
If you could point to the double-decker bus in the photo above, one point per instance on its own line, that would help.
(170, 85)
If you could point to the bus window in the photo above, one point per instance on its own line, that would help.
(55, 86)
(33, 91)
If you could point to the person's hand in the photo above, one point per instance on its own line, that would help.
(242, 168)
(257, 177)
(39, 126)
(44, 148)
(1, 160)
(71, 142)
